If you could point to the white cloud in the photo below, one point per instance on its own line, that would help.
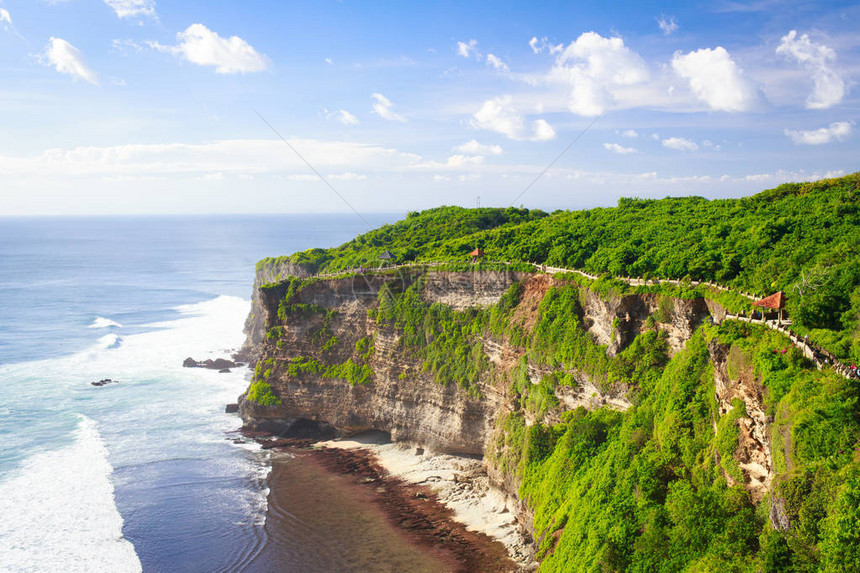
(342, 116)
(500, 115)
(125, 46)
(329, 61)
(469, 48)
(229, 157)
(715, 79)
(347, 176)
(200, 45)
(630, 133)
(383, 106)
(595, 67)
(497, 63)
(67, 59)
(474, 148)
(667, 25)
(216, 176)
(838, 131)
(615, 148)
(680, 144)
(816, 58)
(6, 23)
(539, 46)
(131, 8)
(464, 160)
(457, 162)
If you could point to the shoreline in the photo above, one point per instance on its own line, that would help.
(440, 503)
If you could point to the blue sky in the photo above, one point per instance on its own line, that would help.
(139, 106)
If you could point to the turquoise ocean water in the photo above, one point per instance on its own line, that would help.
(141, 474)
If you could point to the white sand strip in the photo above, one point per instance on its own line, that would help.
(460, 483)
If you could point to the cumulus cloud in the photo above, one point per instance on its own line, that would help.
(595, 67)
(543, 44)
(680, 144)
(383, 106)
(200, 45)
(816, 59)
(67, 59)
(132, 8)
(631, 133)
(497, 63)
(715, 79)
(5, 16)
(342, 116)
(667, 24)
(838, 131)
(474, 148)
(469, 48)
(621, 150)
(500, 115)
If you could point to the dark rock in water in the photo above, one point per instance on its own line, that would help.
(231, 408)
(104, 381)
(217, 364)
(224, 371)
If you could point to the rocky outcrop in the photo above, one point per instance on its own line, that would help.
(753, 455)
(616, 321)
(268, 271)
(221, 364)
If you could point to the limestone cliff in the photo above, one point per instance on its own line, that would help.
(310, 351)
(402, 398)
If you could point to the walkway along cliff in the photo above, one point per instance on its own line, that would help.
(468, 362)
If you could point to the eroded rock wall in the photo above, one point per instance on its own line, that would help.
(753, 454)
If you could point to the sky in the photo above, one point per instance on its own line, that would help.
(155, 107)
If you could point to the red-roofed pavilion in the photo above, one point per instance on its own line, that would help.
(775, 301)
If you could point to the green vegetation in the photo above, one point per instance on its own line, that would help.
(407, 240)
(645, 489)
(560, 341)
(351, 371)
(800, 238)
(447, 341)
(260, 392)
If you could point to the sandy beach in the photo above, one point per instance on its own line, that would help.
(401, 507)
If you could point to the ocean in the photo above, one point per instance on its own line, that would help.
(142, 473)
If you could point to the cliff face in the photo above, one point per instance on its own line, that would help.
(255, 324)
(402, 398)
(733, 380)
(309, 342)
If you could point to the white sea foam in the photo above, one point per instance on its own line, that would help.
(157, 411)
(59, 513)
(101, 322)
(109, 341)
